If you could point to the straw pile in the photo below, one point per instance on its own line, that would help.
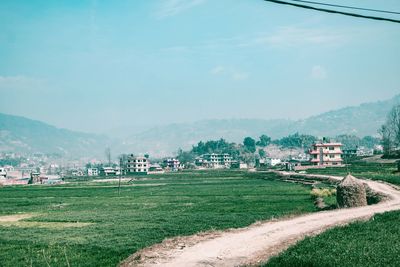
(351, 193)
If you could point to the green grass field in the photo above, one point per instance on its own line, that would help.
(361, 169)
(372, 243)
(147, 211)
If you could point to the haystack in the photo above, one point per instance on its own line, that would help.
(351, 193)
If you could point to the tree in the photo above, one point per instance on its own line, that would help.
(370, 141)
(296, 140)
(262, 153)
(185, 156)
(219, 146)
(250, 144)
(348, 141)
(265, 140)
(248, 158)
(390, 132)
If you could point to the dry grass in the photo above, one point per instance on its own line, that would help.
(323, 192)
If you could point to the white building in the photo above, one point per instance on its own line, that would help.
(9, 168)
(3, 173)
(214, 160)
(173, 164)
(364, 152)
(155, 169)
(272, 161)
(76, 173)
(93, 172)
(107, 171)
(137, 165)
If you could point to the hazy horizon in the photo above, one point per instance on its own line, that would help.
(96, 66)
(128, 130)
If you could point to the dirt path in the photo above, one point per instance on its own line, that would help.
(257, 243)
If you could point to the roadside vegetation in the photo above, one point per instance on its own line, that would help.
(361, 169)
(86, 223)
(372, 243)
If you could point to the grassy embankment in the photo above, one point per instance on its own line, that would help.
(361, 169)
(372, 243)
(147, 211)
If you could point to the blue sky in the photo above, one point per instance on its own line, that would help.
(99, 65)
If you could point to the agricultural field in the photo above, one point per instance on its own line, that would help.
(86, 223)
(361, 169)
(372, 243)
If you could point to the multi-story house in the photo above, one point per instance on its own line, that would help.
(108, 171)
(172, 164)
(137, 165)
(326, 154)
(93, 172)
(214, 160)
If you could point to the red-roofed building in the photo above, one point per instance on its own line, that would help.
(326, 154)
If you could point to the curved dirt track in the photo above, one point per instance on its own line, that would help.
(257, 243)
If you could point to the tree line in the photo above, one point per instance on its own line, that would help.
(251, 148)
(390, 132)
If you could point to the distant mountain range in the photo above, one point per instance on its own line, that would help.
(25, 135)
(361, 120)
(19, 134)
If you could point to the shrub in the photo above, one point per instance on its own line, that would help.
(323, 192)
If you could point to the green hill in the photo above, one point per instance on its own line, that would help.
(19, 134)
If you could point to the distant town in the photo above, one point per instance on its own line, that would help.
(295, 152)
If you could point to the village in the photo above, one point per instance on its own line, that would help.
(196, 133)
(44, 170)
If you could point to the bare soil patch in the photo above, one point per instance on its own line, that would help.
(16, 217)
(16, 220)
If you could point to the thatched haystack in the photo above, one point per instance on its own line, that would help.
(351, 193)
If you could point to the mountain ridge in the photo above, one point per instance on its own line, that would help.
(20, 134)
(361, 120)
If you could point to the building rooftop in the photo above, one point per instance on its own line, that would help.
(328, 144)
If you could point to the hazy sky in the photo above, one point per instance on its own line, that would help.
(98, 65)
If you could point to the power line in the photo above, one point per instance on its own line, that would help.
(349, 7)
(333, 11)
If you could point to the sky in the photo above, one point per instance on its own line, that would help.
(98, 66)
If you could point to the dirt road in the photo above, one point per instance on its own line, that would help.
(258, 242)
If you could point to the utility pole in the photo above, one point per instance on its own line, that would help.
(120, 175)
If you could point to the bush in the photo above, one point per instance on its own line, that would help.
(323, 192)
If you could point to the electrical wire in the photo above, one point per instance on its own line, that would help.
(334, 11)
(348, 7)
